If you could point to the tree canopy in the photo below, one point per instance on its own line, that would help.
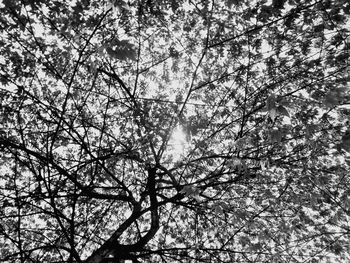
(174, 131)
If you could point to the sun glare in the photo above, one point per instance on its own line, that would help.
(178, 141)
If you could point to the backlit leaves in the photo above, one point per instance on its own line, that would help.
(337, 96)
(120, 49)
(92, 92)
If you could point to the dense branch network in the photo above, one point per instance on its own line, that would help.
(91, 93)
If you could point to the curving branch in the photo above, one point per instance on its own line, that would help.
(85, 190)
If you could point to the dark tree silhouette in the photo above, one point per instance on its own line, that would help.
(174, 131)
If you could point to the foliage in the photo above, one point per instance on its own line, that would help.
(92, 92)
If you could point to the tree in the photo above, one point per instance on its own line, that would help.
(174, 131)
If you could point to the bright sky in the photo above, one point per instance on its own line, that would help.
(177, 143)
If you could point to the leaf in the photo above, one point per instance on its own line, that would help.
(346, 8)
(271, 102)
(282, 111)
(264, 164)
(345, 141)
(9, 4)
(335, 96)
(266, 12)
(117, 5)
(275, 136)
(278, 3)
(121, 50)
(224, 205)
(218, 209)
(190, 191)
(239, 143)
(273, 113)
(234, 162)
(231, 3)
